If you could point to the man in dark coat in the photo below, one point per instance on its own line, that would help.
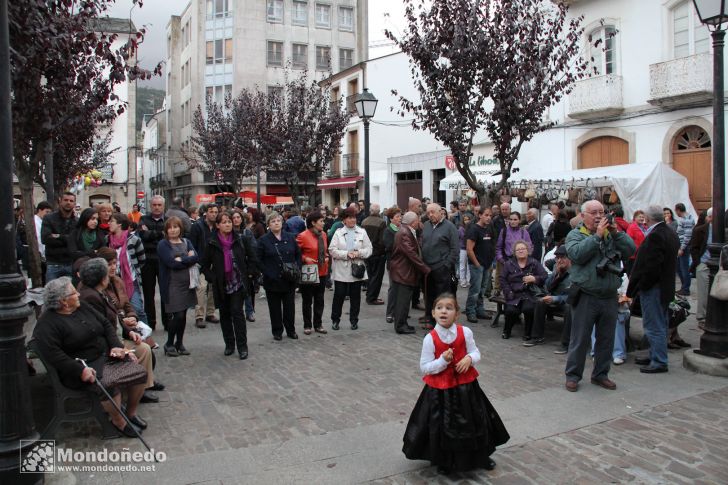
(406, 269)
(200, 234)
(151, 231)
(653, 277)
(535, 231)
(375, 226)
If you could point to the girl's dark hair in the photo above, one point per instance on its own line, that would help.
(672, 214)
(121, 219)
(515, 213)
(446, 296)
(86, 216)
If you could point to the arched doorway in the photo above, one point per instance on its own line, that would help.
(691, 156)
(603, 151)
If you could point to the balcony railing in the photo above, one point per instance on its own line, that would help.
(682, 81)
(351, 162)
(596, 97)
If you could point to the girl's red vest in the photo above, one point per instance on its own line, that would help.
(449, 378)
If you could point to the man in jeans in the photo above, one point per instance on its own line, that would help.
(653, 277)
(480, 247)
(685, 225)
(557, 286)
(54, 234)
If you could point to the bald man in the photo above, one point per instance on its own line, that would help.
(441, 252)
(375, 226)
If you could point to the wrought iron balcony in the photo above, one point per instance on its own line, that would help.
(682, 81)
(596, 97)
(351, 164)
(350, 106)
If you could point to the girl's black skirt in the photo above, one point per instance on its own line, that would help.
(455, 428)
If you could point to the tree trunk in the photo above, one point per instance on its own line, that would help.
(25, 181)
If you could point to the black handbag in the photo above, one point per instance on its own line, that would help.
(290, 271)
(358, 270)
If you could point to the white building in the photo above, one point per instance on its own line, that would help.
(217, 47)
(120, 178)
(154, 164)
(651, 101)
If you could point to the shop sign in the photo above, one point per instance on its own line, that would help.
(474, 162)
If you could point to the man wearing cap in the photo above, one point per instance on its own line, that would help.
(557, 287)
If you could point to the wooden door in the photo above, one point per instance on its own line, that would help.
(691, 157)
(603, 152)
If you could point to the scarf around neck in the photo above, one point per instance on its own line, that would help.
(118, 242)
(321, 249)
(226, 242)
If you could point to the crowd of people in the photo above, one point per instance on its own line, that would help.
(586, 266)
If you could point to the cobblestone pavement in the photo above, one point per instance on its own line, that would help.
(345, 382)
(679, 443)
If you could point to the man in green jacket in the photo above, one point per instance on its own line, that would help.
(595, 249)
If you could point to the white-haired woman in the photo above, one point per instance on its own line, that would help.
(68, 330)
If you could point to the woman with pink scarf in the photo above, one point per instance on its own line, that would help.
(131, 257)
(229, 263)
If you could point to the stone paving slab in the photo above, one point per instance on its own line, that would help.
(284, 414)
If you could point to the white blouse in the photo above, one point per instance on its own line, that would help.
(429, 364)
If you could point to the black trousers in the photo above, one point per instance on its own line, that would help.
(439, 281)
(150, 277)
(513, 311)
(539, 317)
(375, 270)
(341, 290)
(232, 321)
(282, 309)
(313, 296)
(402, 296)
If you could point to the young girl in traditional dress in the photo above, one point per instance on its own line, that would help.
(453, 425)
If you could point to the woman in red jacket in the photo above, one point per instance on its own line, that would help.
(314, 250)
(636, 231)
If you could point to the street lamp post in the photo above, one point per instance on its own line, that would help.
(714, 341)
(16, 410)
(366, 106)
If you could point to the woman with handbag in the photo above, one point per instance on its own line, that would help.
(521, 281)
(280, 259)
(314, 252)
(349, 247)
(228, 263)
(177, 258)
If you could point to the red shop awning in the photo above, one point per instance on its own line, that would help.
(341, 183)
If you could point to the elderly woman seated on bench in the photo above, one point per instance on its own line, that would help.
(68, 330)
(105, 292)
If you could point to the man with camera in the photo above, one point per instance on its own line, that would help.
(595, 249)
(653, 278)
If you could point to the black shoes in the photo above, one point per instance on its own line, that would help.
(405, 330)
(170, 351)
(128, 431)
(181, 350)
(158, 386)
(390, 319)
(293, 336)
(505, 336)
(138, 422)
(335, 325)
(354, 325)
(243, 355)
(229, 350)
(653, 369)
(212, 319)
(277, 337)
(148, 397)
(489, 465)
(532, 342)
(472, 319)
(642, 360)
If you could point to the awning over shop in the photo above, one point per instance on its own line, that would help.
(341, 183)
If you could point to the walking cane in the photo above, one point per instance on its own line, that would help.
(123, 415)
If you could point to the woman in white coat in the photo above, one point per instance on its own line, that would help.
(349, 247)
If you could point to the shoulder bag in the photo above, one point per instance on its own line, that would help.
(290, 271)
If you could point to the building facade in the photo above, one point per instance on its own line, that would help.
(219, 47)
(649, 100)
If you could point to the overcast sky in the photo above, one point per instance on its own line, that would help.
(155, 14)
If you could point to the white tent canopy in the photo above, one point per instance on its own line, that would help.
(637, 184)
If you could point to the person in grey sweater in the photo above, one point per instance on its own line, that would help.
(441, 252)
